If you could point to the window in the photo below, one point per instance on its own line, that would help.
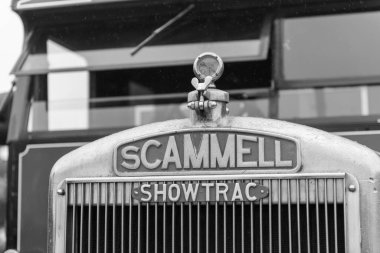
(127, 98)
(329, 102)
(331, 50)
(235, 35)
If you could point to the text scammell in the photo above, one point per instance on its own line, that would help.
(208, 150)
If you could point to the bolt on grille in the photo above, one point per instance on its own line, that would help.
(299, 215)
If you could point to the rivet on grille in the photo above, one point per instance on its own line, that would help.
(60, 191)
(352, 188)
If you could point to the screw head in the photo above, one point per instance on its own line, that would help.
(352, 188)
(61, 191)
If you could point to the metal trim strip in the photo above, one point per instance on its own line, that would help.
(350, 133)
(29, 5)
(352, 215)
(202, 177)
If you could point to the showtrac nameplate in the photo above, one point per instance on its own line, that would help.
(206, 151)
(202, 192)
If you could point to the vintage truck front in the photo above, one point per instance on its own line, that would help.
(216, 183)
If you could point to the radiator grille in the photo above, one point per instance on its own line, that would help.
(300, 215)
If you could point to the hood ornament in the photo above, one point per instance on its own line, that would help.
(208, 64)
(205, 100)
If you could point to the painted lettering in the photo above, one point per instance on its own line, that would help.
(220, 191)
(236, 195)
(144, 149)
(241, 151)
(146, 192)
(192, 156)
(228, 157)
(207, 186)
(174, 195)
(127, 157)
(171, 154)
(247, 191)
(190, 190)
(261, 150)
(212, 151)
(277, 151)
(158, 192)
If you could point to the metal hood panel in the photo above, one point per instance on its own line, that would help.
(321, 152)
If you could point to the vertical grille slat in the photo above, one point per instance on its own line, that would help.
(89, 219)
(299, 215)
(164, 228)
(97, 219)
(242, 226)
(74, 220)
(147, 229)
(198, 227)
(190, 228)
(261, 220)
(122, 217)
(270, 218)
(335, 219)
(233, 226)
(106, 218)
(326, 218)
(130, 223)
(344, 215)
(216, 227)
(317, 214)
(81, 219)
(155, 227)
(307, 215)
(139, 227)
(289, 216)
(173, 228)
(225, 227)
(207, 226)
(279, 215)
(182, 227)
(114, 219)
(251, 227)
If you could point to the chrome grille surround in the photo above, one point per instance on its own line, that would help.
(331, 190)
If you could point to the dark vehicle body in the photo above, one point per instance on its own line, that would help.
(76, 81)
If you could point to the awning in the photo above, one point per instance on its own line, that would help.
(299, 7)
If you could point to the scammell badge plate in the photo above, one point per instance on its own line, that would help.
(207, 151)
(199, 192)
